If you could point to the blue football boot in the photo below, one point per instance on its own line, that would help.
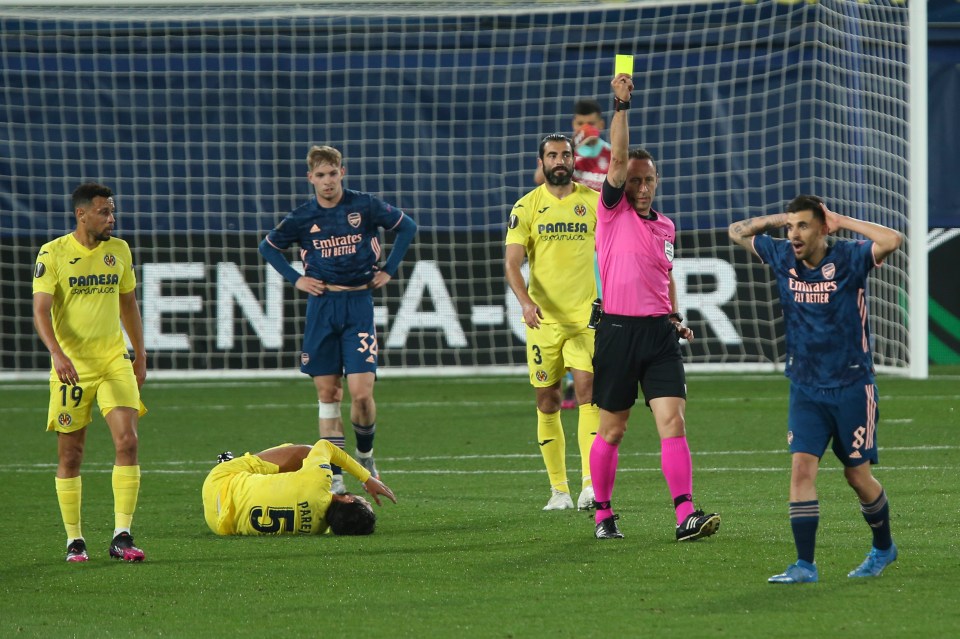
(875, 562)
(802, 572)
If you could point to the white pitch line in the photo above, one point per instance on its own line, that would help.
(208, 463)
(470, 404)
(205, 465)
(270, 383)
(773, 377)
(515, 471)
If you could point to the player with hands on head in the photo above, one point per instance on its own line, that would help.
(285, 490)
(637, 337)
(552, 227)
(338, 234)
(84, 288)
(833, 392)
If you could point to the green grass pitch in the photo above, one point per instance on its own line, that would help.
(467, 551)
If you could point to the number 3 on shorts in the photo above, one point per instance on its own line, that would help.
(537, 357)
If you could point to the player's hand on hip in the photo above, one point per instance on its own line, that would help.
(311, 285)
(532, 315)
(684, 332)
(65, 370)
(622, 87)
(375, 488)
(379, 280)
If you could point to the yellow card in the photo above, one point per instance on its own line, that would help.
(624, 64)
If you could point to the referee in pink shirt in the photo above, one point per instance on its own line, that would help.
(637, 339)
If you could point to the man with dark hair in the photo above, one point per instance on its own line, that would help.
(351, 517)
(84, 288)
(638, 335)
(591, 159)
(552, 227)
(833, 395)
(286, 490)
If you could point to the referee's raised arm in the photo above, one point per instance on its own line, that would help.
(619, 130)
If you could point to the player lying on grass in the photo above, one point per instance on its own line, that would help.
(286, 490)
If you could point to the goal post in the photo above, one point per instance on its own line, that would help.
(917, 245)
(199, 116)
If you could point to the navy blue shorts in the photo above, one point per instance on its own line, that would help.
(340, 337)
(848, 415)
(632, 351)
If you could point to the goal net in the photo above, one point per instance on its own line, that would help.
(199, 117)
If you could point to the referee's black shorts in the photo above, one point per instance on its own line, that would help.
(632, 351)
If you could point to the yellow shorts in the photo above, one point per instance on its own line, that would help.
(111, 382)
(553, 348)
(216, 485)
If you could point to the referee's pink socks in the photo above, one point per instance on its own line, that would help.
(603, 472)
(678, 471)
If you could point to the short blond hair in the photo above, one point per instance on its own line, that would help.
(322, 154)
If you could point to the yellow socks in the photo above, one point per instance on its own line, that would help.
(553, 448)
(587, 425)
(126, 488)
(68, 495)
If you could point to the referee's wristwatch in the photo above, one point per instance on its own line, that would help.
(676, 316)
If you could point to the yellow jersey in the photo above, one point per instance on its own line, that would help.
(86, 286)
(559, 238)
(248, 496)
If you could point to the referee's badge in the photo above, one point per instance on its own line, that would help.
(39, 270)
(513, 221)
(668, 250)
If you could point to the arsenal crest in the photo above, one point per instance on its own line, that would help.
(354, 219)
(829, 271)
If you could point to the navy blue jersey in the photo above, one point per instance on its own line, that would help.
(825, 311)
(339, 245)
